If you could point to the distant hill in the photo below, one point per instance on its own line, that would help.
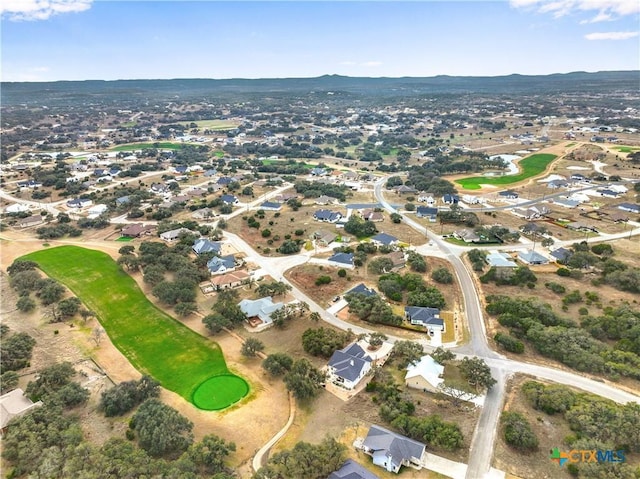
(85, 91)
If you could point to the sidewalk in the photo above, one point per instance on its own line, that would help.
(455, 470)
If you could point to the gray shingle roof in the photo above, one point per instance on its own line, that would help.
(397, 447)
(349, 362)
(352, 470)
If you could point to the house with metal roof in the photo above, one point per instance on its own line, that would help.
(221, 264)
(348, 366)
(425, 375)
(173, 235)
(259, 311)
(14, 404)
(532, 257)
(392, 451)
(630, 207)
(204, 245)
(498, 259)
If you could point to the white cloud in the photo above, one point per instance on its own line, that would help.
(605, 9)
(611, 35)
(19, 10)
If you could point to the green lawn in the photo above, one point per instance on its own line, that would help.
(212, 124)
(165, 145)
(155, 343)
(530, 166)
(626, 149)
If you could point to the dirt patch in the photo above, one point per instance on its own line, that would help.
(304, 277)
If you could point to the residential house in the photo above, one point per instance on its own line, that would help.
(466, 235)
(608, 193)
(428, 199)
(123, 200)
(532, 228)
(174, 235)
(425, 375)
(270, 206)
(348, 366)
(427, 212)
(500, 260)
(325, 200)
(342, 259)
(29, 184)
(399, 260)
(405, 190)
(204, 245)
(79, 203)
(204, 213)
(16, 208)
(629, 207)
(318, 172)
(221, 264)
(532, 257)
(470, 199)
(259, 311)
(556, 184)
(327, 216)
(230, 280)
(391, 451)
(210, 172)
(449, 199)
(561, 255)
(580, 226)
(196, 193)
(14, 404)
(423, 316)
(324, 238)
(508, 194)
(577, 177)
(229, 200)
(136, 230)
(373, 216)
(384, 239)
(350, 176)
(159, 189)
(352, 470)
(225, 180)
(30, 221)
(362, 289)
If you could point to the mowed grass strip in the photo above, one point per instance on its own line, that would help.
(530, 166)
(166, 145)
(154, 342)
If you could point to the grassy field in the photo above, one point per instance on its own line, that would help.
(165, 145)
(155, 343)
(626, 149)
(530, 166)
(212, 124)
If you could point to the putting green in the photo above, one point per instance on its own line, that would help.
(220, 392)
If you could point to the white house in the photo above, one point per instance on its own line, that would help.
(425, 374)
(392, 451)
(348, 366)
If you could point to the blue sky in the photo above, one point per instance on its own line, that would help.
(46, 40)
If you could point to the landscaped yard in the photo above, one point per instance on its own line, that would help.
(530, 166)
(155, 343)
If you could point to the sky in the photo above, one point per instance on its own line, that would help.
(49, 40)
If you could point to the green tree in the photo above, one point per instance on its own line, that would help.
(68, 307)
(251, 347)
(395, 218)
(477, 373)
(50, 291)
(185, 309)
(442, 356)
(216, 322)
(209, 454)
(50, 380)
(380, 265)
(323, 341)
(8, 381)
(161, 430)
(304, 380)
(126, 395)
(25, 304)
(407, 352)
(518, 432)
(416, 262)
(442, 276)
(277, 364)
(15, 351)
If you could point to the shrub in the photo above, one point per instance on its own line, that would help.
(442, 275)
(509, 343)
(342, 273)
(518, 432)
(564, 272)
(324, 279)
(555, 287)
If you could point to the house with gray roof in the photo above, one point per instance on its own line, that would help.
(204, 245)
(384, 239)
(14, 404)
(270, 206)
(427, 212)
(173, 235)
(327, 216)
(630, 207)
(221, 264)
(259, 311)
(423, 316)
(532, 257)
(229, 199)
(342, 259)
(348, 366)
(324, 238)
(362, 289)
(392, 451)
(561, 255)
(352, 470)
(498, 259)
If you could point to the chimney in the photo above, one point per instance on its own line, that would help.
(351, 362)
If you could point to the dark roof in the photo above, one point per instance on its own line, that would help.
(362, 289)
(352, 470)
(629, 207)
(508, 193)
(204, 245)
(327, 215)
(424, 315)
(349, 362)
(398, 447)
(228, 198)
(271, 204)
(384, 238)
(344, 258)
(561, 253)
(426, 211)
(224, 180)
(215, 263)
